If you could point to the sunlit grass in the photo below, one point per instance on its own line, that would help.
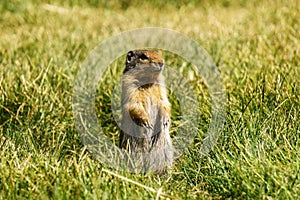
(256, 47)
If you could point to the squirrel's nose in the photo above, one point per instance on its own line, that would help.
(161, 65)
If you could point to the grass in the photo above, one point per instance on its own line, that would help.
(256, 47)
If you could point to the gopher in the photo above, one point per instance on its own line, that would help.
(146, 111)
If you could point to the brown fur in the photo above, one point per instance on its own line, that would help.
(146, 111)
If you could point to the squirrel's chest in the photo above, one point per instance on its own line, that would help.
(150, 98)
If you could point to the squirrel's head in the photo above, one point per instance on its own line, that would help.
(143, 62)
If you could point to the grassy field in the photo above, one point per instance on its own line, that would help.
(256, 47)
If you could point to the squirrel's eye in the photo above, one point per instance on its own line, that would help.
(143, 57)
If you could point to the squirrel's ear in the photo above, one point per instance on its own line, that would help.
(129, 61)
(129, 57)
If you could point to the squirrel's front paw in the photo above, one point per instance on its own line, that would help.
(147, 124)
(142, 121)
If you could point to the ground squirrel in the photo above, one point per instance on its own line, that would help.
(146, 111)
